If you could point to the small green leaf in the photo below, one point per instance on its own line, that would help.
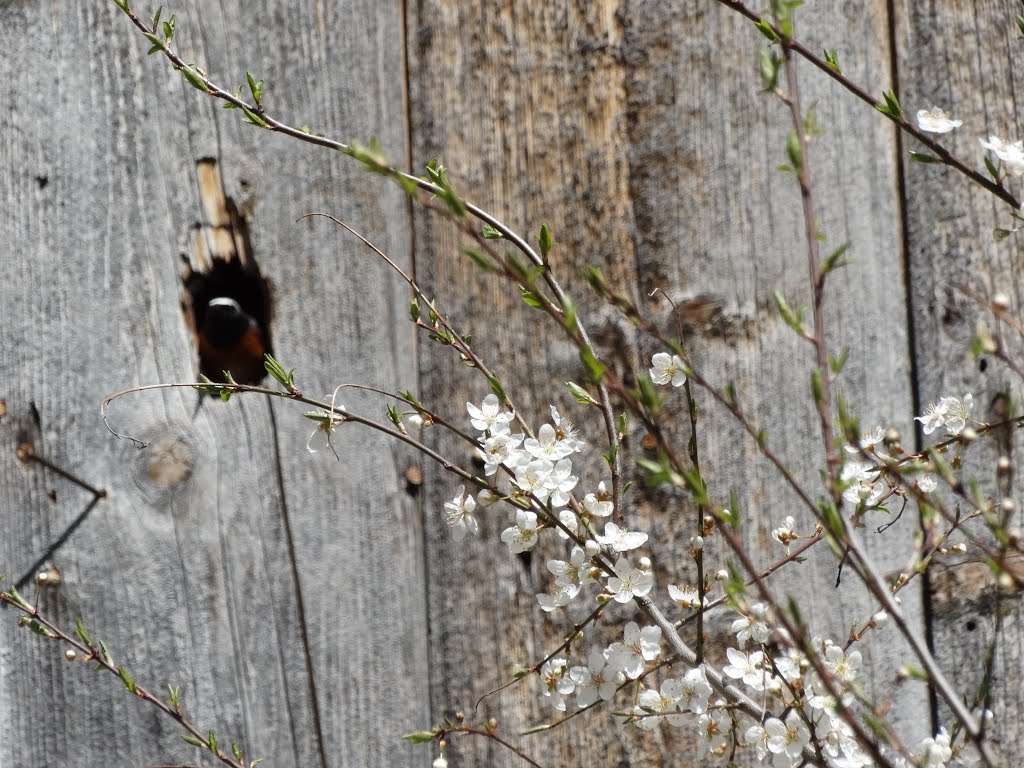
(991, 168)
(212, 738)
(817, 388)
(255, 88)
(82, 633)
(414, 309)
(769, 64)
(530, 298)
(174, 697)
(195, 81)
(490, 233)
(789, 317)
(128, 681)
(766, 29)
(156, 16)
(168, 28)
(833, 261)
(236, 751)
(535, 729)
(582, 396)
(595, 369)
(923, 157)
(568, 311)
(253, 118)
(498, 389)
(794, 151)
(832, 60)
(420, 737)
(545, 240)
(122, 4)
(891, 107)
(35, 626)
(1020, 23)
(479, 257)
(837, 363)
(193, 741)
(285, 378)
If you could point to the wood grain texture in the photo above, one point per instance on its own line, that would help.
(191, 583)
(949, 226)
(636, 130)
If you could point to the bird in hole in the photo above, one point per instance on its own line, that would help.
(230, 339)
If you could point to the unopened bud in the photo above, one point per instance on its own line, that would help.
(1007, 506)
(592, 548)
(968, 436)
(1001, 302)
(696, 544)
(880, 619)
(892, 436)
(644, 564)
(70, 654)
(960, 548)
(1003, 466)
(1006, 582)
(722, 575)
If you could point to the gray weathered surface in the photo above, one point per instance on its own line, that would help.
(192, 584)
(949, 228)
(636, 131)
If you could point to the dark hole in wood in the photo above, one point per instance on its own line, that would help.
(982, 364)
(42, 181)
(971, 625)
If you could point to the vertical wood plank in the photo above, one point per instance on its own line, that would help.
(977, 50)
(191, 582)
(636, 130)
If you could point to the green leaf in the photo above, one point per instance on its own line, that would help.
(530, 298)
(923, 157)
(212, 738)
(991, 168)
(256, 88)
(498, 389)
(285, 378)
(837, 363)
(891, 107)
(174, 697)
(832, 60)
(789, 317)
(479, 257)
(545, 240)
(168, 28)
(833, 260)
(34, 625)
(236, 751)
(420, 737)
(568, 311)
(769, 64)
(253, 118)
(128, 681)
(817, 387)
(193, 741)
(794, 151)
(82, 633)
(490, 233)
(195, 81)
(582, 396)
(1020, 23)
(535, 729)
(414, 309)
(766, 29)
(595, 369)
(156, 16)
(122, 4)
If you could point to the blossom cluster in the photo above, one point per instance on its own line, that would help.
(802, 711)
(1009, 153)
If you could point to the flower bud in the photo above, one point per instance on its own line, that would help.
(1001, 302)
(644, 564)
(592, 548)
(70, 654)
(1003, 466)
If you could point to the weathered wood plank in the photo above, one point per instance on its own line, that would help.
(191, 583)
(976, 49)
(636, 130)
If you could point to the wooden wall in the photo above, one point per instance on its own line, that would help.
(637, 131)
